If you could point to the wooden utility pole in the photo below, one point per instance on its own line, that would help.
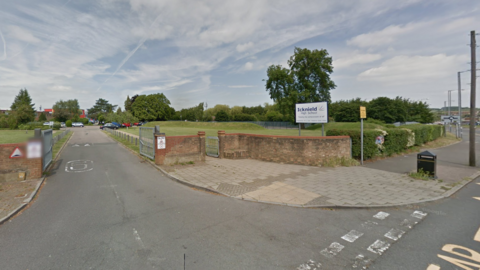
(473, 113)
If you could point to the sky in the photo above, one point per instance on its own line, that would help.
(217, 51)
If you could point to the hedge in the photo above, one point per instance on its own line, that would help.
(425, 133)
(396, 140)
(370, 149)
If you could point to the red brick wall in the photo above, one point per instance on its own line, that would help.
(32, 167)
(285, 149)
(180, 149)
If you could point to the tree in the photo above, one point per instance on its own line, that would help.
(307, 80)
(222, 116)
(152, 107)
(101, 106)
(128, 104)
(65, 110)
(42, 117)
(119, 110)
(22, 108)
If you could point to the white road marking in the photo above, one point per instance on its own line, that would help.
(352, 236)
(76, 145)
(138, 239)
(476, 198)
(433, 267)
(74, 166)
(369, 224)
(419, 214)
(361, 260)
(394, 234)
(409, 224)
(381, 215)
(477, 236)
(310, 265)
(378, 247)
(332, 250)
(87, 144)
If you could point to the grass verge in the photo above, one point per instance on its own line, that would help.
(17, 136)
(60, 143)
(128, 144)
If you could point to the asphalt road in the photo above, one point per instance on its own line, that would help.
(105, 208)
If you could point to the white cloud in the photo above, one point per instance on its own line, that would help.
(358, 58)
(413, 69)
(241, 86)
(383, 37)
(22, 34)
(248, 66)
(244, 47)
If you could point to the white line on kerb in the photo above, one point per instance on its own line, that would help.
(138, 239)
(433, 267)
(352, 236)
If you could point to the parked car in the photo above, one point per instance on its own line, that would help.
(126, 125)
(48, 123)
(62, 124)
(138, 124)
(77, 124)
(109, 125)
(117, 124)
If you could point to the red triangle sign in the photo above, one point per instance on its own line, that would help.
(16, 153)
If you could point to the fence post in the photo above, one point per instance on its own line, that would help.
(136, 141)
(221, 143)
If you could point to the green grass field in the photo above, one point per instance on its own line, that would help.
(177, 128)
(16, 136)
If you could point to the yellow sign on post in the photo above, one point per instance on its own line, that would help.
(363, 112)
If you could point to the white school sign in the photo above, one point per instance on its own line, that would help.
(311, 112)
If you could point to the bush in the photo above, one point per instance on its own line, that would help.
(84, 121)
(244, 117)
(396, 141)
(56, 126)
(370, 149)
(68, 123)
(425, 133)
(222, 116)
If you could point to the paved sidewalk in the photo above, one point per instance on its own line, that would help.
(16, 194)
(307, 186)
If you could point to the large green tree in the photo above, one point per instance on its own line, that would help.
(152, 107)
(101, 107)
(307, 80)
(128, 104)
(64, 110)
(22, 108)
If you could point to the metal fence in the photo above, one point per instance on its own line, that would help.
(265, 124)
(60, 136)
(47, 137)
(147, 141)
(212, 146)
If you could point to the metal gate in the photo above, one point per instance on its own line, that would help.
(147, 142)
(47, 137)
(212, 146)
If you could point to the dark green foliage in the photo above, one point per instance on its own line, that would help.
(396, 141)
(56, 126)
(68, 123)
(64, 110)
(84, 121)
(222, 116)
(307, 80)
(274, 116)
(22, 109)
(348, 112)
(154, 107)
(244, 117)
(370, 149)
(128, 104)
(42, 117)
(190, 114)
(101, 106)
(254, 110)
(425, 133)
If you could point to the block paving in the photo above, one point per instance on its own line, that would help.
(308, 186)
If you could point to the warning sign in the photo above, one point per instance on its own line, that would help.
(16, 153)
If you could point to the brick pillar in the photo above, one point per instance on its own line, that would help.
(160, 153)
(201, 137)
(221, 143)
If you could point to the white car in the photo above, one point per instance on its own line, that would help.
(77, 124)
